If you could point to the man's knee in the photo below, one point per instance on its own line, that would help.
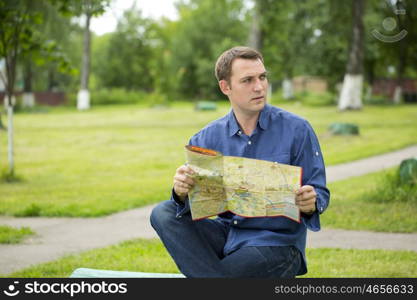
(161, 213)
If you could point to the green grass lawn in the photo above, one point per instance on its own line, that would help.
(10, 235)
(114, 158)
(363, 203)
(150, 256)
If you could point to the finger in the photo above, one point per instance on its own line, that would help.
(181, 170)
(184, 169)
(307, 195)
(189, 170)
(306, 203)
(305, 198)
(184, 179)
(183, 185)
(304, 188)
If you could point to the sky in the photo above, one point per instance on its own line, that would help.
(150, 8)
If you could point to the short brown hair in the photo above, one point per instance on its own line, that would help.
(223, 69)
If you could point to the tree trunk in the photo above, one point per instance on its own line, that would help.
(1, 123)
(287, 89)
(350, 97)
(2, 80)
(10, 131)
(83, 98)
(402, 63)
(255, 33)
(11, 61)
(28, 99)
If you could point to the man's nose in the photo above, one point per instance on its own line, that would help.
(258, 85)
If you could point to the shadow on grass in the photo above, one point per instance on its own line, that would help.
(10, 177)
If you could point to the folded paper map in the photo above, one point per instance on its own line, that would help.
(244, 186)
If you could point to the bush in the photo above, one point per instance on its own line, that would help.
(31, 210)
(377, 100)
(116, 96)
(306, 98)
(391, 189)
(157, 100)
(316, 99)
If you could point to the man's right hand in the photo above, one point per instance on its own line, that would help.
(183, 182)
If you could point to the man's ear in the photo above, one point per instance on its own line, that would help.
(224, 87)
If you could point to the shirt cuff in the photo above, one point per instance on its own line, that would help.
(312, 221)
(182, 207)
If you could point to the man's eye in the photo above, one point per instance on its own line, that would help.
(262, 77)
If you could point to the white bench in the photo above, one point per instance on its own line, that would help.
(96, 273)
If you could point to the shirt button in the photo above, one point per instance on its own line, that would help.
(249, 142)
(239, 132)
(317, 154)
(235, 222)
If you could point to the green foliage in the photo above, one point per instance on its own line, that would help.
(379, 54)
(313, 99)
(79, 7)
(25, 36)
(122, 59)
(116, 96)
(305, 37)
(32, 210)
(10, 235)
(377, 100)
(391, 189)
(150, 255)
(176, 58)
(158, 100)
(198, 42)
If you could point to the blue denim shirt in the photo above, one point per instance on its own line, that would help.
(282, 137)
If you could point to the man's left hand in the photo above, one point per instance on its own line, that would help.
(306, 199)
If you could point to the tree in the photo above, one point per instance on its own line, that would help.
(255, 33)
(286, 31)
(47, 52)
(328, 31)
(405, 20)
(350, 97)
(124, 57)
(19, 39)
(205, 29)
(16, 36)
(88, 9)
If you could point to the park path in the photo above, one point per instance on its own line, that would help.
(62, 236)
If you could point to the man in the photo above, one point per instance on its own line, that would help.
(231, 245)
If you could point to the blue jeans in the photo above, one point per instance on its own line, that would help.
(197, 249)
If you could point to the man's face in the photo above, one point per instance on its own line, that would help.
(247, 87)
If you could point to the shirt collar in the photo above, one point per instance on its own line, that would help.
(263, 120)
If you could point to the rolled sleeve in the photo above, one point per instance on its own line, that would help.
(310, 158)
